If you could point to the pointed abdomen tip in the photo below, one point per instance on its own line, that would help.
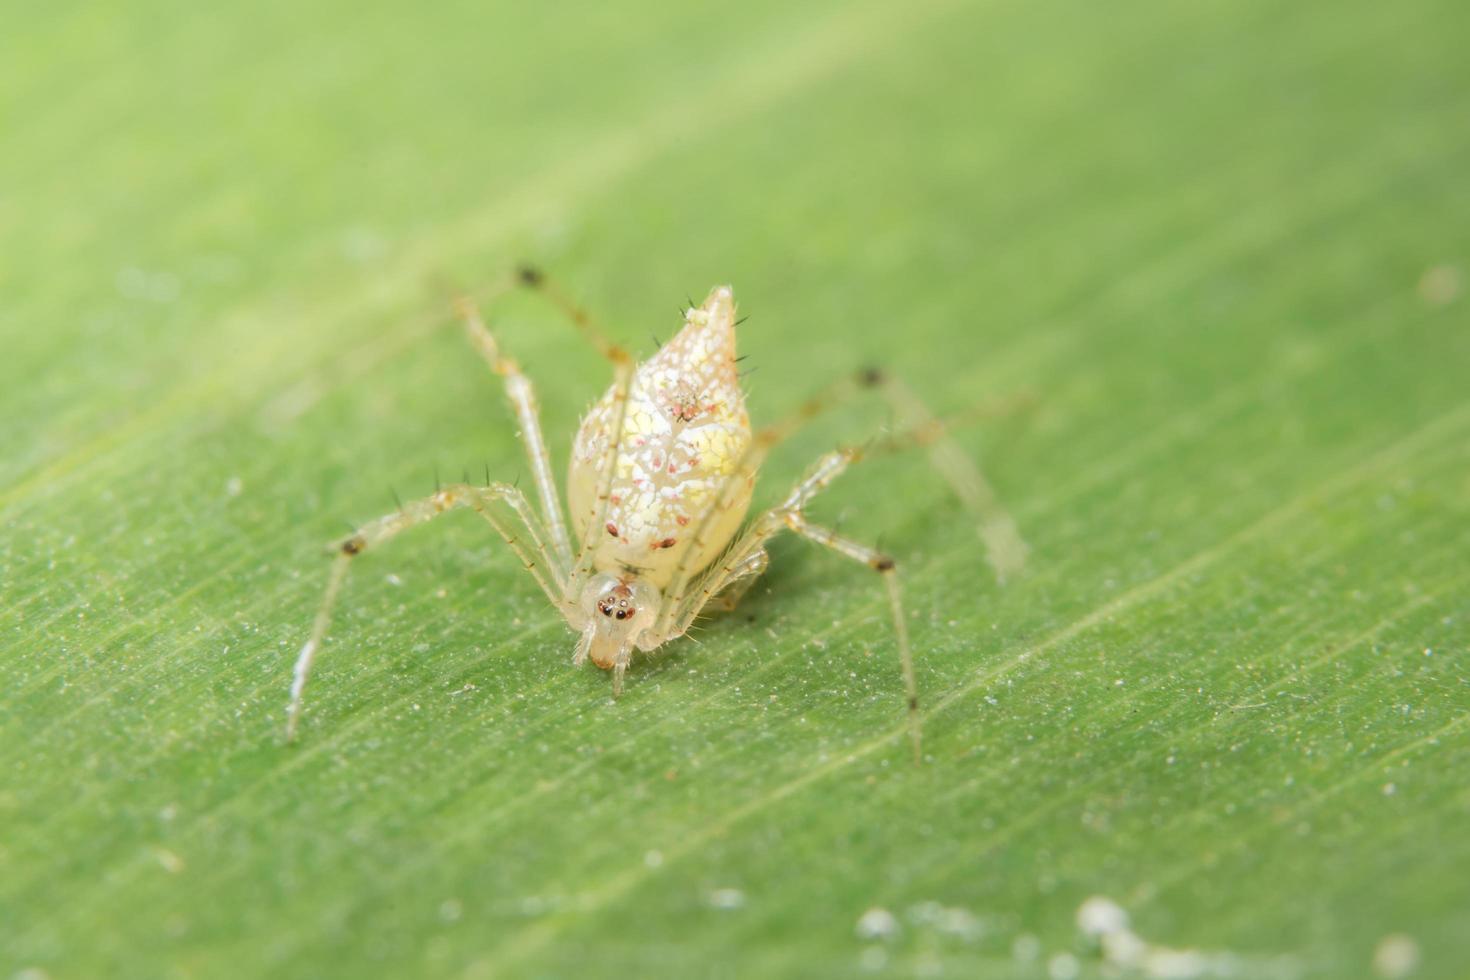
(720, 302)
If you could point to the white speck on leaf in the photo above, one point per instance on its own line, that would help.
(1396, 955)
(877, 923)
(1062, 966)
(950, 920)
(1177, 964)
(1105, 922)
(1099, 916)
(1026, 948)
(727, 899)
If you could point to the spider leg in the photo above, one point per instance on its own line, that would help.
(686, 578)
(522, 395)
(740, 580)
(535, 279)
(620, 667)
(582, 569)
(622, 363)
(888, 568)
(1005, 549)
(502, 505)
(746, 558)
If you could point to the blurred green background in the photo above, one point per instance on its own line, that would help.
(1222, 244)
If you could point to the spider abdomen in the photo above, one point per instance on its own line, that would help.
(685, 432)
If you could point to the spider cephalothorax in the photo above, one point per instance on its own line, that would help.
(618, 610)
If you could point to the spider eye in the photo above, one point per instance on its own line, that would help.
(622, 614)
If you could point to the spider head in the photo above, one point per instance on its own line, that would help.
(617, 610)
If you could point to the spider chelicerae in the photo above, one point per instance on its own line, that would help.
(662, 471)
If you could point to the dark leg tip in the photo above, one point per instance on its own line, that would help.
(884, 564)
(871, 377)
(529, 275)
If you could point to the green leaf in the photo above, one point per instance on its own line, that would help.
(1217, 253)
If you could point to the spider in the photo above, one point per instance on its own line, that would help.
(661, 477)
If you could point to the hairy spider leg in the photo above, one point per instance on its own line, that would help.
(522, 394)
(746, 559)
(502, 505)
(583, 569)
(744, 472)
(739, 581)
(623, 367)
(732, 576)
(534, 279)
(1005, 548)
